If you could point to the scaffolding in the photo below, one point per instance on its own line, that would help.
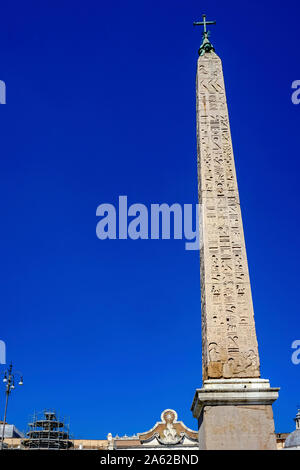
(48, 431)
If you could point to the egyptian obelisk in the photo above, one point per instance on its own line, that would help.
(234, 405)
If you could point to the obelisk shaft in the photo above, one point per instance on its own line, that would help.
(229, 344)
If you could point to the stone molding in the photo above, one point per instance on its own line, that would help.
(233, 392)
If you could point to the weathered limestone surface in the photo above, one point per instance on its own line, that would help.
(237, 428)
(235, 414)
(228, 330)
(234, 406)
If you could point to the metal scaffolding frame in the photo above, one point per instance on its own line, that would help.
(48, 431)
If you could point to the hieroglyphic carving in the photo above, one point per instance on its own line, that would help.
(229, 341)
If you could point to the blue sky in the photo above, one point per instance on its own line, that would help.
(101, 103)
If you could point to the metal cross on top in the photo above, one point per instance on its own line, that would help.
(204, 23)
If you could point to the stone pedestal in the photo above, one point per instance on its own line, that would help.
(235, 414)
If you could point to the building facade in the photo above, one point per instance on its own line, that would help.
(166, 434)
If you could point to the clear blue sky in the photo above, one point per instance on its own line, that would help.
(101, 103)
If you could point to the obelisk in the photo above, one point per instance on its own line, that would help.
(234, 405)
